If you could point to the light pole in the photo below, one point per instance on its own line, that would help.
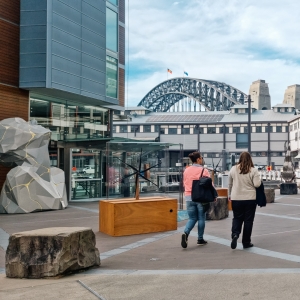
(197, 127)
(249, 124)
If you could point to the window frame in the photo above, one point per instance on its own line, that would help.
(243, 144)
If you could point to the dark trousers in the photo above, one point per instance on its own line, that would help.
(243, 212)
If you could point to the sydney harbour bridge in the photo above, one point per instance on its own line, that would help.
(190, 94)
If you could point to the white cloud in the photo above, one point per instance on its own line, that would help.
(233, 41)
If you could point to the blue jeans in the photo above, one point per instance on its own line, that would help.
(196, 213)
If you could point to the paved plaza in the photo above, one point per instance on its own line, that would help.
(154, 266)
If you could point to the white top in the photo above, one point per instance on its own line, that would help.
(242, 186)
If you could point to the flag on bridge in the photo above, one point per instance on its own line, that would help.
(169, 71)
(185, 73)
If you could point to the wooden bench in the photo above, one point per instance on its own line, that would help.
(119, 217)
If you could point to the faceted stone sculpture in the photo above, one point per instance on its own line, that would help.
(50, 252)
(32, 185)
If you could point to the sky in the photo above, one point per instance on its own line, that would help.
(232, 41)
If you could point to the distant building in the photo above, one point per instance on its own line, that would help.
(215, 133)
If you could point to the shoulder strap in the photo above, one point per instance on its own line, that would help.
(201, 173)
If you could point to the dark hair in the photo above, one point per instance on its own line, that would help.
(194, 156)
(245, 163)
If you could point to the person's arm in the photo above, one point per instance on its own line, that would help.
(206, 173)
(256, 179)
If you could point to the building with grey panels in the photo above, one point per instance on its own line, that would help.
(72, 61)
(215, 133)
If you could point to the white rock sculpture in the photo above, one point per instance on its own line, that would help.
(32, 185)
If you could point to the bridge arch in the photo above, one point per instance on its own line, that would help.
(212, 95)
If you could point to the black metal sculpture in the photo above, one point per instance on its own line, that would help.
(138, 172)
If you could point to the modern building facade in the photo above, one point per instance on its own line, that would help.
(65, 69)
(294, 139)
(216, 134)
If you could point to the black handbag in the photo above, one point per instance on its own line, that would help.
(203, 190)
(261, 199)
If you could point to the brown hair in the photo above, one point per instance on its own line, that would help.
(245, 163)
(194, 156)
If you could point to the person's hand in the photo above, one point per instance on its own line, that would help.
(216, 199)
(229, 198)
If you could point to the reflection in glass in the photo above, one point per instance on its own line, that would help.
(150, 160)
(70, 122)
(115, 2)
(111, 77)
(111, 30)
(87, 180)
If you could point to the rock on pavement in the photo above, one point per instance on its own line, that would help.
(50, 252)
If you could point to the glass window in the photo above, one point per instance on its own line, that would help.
(115, 2)
(147, 128)
(198, 130)
(172, 130)
(156, 128)
(286, 128)
(114, 129)
(296, 136)
(85, 120)
(135, 128)
(123, 128)
(291, 127)
(162, 130)
(236, 129)
(211, 129)
(268, 129)
(258, 128)
(222, 129)
(295, 126)
(185, 130)
(111, 30)
(278, 128)
(241, 140)
(111, 77)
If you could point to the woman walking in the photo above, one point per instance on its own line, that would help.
(195, 210)
(243, 181)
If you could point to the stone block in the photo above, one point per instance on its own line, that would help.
(218, 210)
(50, 252)
(270, 194)
(288, 188)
